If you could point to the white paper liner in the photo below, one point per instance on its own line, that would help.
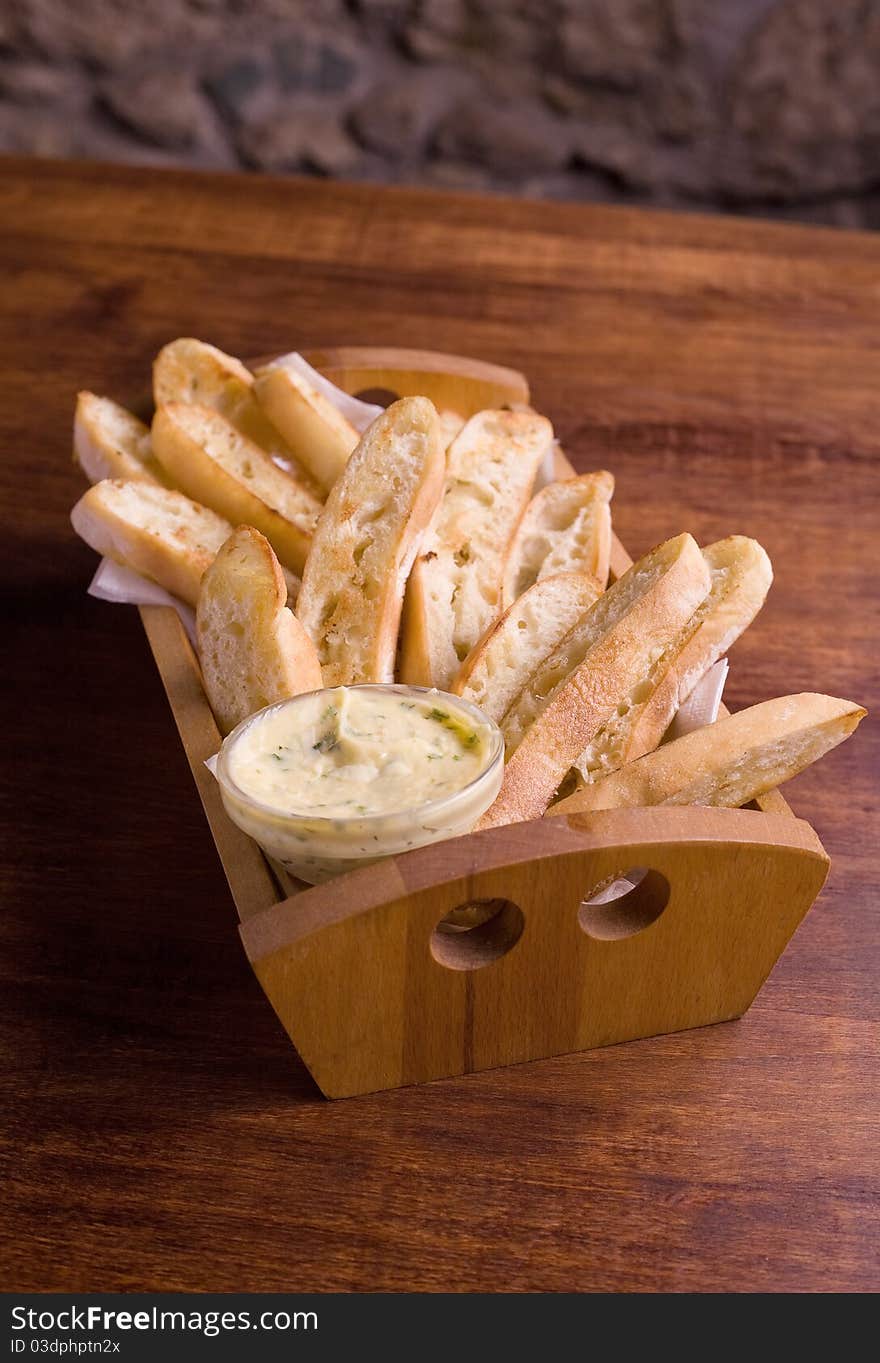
(360, 414)
(702, 705)
(618, 888)
(112, 582)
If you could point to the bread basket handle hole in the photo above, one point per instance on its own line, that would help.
(477, 933)
(624, 904)
(381, 397)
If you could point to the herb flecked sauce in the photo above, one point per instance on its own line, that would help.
(354, 753)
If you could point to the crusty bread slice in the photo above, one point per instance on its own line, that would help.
(494, 673)
(187, 370)
(599, 666)
(252, 649)
(319, 435)
(110, 442)
(566, 529)
(727, 763)
(365, 542)
(451, 425)
(210, 459)
(740, 574)
(154, 530)
(454, 593)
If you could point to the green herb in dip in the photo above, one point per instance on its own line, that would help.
(351, 753)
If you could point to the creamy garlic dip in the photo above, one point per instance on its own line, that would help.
(335, 778)
(358, 751)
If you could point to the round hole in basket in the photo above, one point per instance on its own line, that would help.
(624, 904)
(381, 397)
(475, 934)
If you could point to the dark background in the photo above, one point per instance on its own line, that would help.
(764, 107)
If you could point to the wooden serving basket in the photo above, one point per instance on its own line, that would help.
(376, 990)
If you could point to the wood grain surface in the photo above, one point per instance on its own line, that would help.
(407, 1001)
(161, 1132)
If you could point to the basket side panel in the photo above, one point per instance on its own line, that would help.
(453, 381)
(370, 1004)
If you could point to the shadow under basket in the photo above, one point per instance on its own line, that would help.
(379, 978)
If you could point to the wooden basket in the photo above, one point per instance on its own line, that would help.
(376, 991)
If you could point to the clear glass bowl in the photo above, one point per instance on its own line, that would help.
(315, 848)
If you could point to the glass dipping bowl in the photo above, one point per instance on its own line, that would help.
(316, 847)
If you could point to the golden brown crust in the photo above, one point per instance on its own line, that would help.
(253, 651)
(569, 700)
(210, 459)
(321, 438)
(156, 531)
(454, 593)
(740, 575)
(728, 763)
(188, 370)
(365, 541)
(566, 528)
(513, 648)
(110, 442)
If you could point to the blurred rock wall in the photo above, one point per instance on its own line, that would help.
(763, 106)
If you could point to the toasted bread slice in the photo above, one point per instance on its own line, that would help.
(494, 673)
(454, 593)
(740, 575)
(187, 370)
(210, 459)
(110, 442)
(154, 530)
(319, 435)
(365, 543)
(727, 763)
(566, 529)
(599, 666)
(252, 649)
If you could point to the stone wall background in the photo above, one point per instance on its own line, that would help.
(748, 106)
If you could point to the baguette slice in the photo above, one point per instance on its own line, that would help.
(454, 593)
(214, 463)
(566, 529)
(495, 672)
(187, 370)
(365, 542)
(252, 649)
(730, 762)
(318, 434)
(110, 442)
(740, 574)
(600, 665)
(154, 530)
